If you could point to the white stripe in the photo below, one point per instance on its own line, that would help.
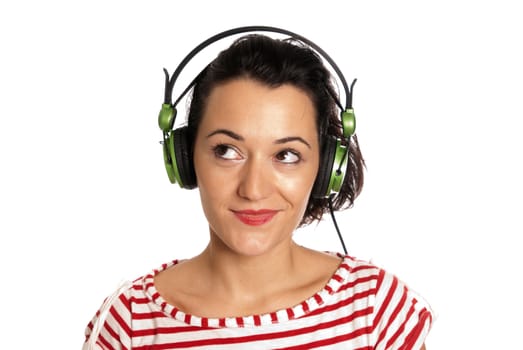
(104, 311)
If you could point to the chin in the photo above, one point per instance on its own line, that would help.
(251, 247)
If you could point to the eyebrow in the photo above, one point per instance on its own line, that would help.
(229, 133)
(292, 138)
(235, 136)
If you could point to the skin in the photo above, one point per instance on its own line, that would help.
(259, 166)
(243, 161)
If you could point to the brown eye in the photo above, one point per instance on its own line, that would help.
(288, 157)
(226, 152)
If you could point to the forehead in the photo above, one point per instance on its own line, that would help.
(248, 106)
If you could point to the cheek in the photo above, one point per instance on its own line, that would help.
(211, 185)
(214, 198)
(297, 188)
(215, 187)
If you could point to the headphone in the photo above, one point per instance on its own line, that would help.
(176, 145)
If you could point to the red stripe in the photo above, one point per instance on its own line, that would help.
(239, 321)
(155, 296)
(105, 343)
(401, 328)
(121, 322)
(290, 314)
(415, 333)
(331, 341)
(135, 300)
(138, 287)
(149, 281)
(166, 330)
(358, 281)
(305, 307)
(337, 278)
(344, 266)
(112, 333)
(125, 302)
(275, 335)
(343, 303)
(394, 313)
(362, 267)
(257, 320)
(386, 302)
(147, 315)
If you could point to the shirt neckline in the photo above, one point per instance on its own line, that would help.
(283, 315)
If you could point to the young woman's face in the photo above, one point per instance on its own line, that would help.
(256, 157)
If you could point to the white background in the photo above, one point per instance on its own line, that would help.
(85, 201)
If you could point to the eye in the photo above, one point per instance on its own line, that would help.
(288, 156)
(226, 152)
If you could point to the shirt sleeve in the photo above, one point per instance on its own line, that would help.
(110, 328)
(401, 318)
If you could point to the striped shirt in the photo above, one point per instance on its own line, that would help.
(361, 307)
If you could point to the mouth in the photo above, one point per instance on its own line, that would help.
(255, 217)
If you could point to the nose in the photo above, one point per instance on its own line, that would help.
(256, 180)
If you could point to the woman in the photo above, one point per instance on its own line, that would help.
(258, 122)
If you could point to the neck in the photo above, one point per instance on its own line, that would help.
(250, 276)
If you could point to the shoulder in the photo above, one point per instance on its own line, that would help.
(358, 273)
(112, 324)
(392, 314)
(400, 317)
(385, 285)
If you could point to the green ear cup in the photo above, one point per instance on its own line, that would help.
(348, 120)
(170, 164)
(338, 169)
(169, 159)
(166, 117)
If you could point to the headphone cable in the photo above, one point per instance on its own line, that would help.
(336, 224)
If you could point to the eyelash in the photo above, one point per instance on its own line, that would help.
(221, 149)
(293, 152)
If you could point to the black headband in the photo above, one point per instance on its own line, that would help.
(169, 82)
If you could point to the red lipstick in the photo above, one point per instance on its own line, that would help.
(255, 217)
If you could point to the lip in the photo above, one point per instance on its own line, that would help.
(255, 217)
